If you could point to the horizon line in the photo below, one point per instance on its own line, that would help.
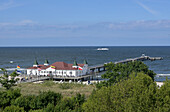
(97, 46)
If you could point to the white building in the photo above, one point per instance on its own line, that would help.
(58, 69)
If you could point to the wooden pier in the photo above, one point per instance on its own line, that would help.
(101, 67)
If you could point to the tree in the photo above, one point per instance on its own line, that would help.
(136, 94)
(13, 108)
(71, 104)
(7, 97)
(117, 72)
(163, 97)
(8, 81)
(44, 98)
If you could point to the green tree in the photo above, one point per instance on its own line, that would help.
(13, 108)
(48, 97)
(23, 101)
(7, 97)
(117, 72)
(137, 94)
(50, 108)
(7, 80)
(71, 104)
(163, 97)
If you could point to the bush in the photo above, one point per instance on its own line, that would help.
(13, 108)
(37, 102)
(6, 97)
(48, 97)
(28, 102)
(71, 104)
(50, 108)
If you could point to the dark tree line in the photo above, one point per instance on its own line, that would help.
(45, 102)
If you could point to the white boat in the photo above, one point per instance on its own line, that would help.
(102, 49)
(11, 62)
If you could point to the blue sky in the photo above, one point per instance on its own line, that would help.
(84, 23)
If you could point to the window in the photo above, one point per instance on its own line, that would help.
(70, 72)
(64, 72)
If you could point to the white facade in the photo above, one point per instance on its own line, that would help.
(56, 72)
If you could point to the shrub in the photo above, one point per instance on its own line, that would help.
(13, 108)
(48, 97)
(6, 97)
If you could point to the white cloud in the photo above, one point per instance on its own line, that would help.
(29, 28)
(146, 8)
(26, 22)
(8, 4)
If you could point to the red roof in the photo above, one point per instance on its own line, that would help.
(58, 66)
(64, 66)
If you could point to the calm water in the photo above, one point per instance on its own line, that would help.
(25, 56)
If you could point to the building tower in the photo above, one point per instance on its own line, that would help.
(75, 65)
(35, 63)
(85, 62)
(46, 62)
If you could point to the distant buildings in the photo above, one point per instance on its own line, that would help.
(58, 69)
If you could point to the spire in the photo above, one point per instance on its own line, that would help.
(35, 63)
(75, 65)
(85, 62)
(46, 62)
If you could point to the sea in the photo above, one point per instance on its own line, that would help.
(25, 56)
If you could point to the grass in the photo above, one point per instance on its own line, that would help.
(66, 89)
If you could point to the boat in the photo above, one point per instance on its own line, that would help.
(11, 62)
(102, 49)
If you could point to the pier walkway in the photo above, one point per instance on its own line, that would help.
(141, 58)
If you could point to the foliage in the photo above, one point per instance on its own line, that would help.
(117, 72)
(38, 102)
(28, 102)
(13, 108)
(163, 97)
(50, 108)
(6, 97)
(71, 104)
(137, 94)
(8, 81)
(45, 97)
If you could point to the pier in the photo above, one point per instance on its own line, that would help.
(94, 70)
(101, 67)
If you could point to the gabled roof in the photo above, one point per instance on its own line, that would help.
(64, 66)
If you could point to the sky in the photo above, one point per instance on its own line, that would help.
(84, 23)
